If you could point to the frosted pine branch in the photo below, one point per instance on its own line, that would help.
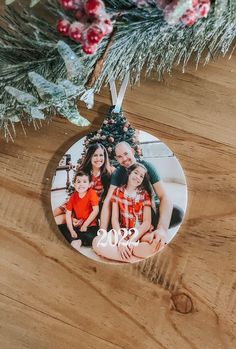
(142, 38)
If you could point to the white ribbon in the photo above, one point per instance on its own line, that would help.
(117, 100)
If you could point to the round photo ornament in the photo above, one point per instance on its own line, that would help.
(119, 194)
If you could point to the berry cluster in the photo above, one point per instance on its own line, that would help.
(91, 25)
(175, 10)
(200, 8)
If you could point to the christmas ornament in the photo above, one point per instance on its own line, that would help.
(132, 162)
(110, 139)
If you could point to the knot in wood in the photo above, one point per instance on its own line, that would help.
(182, 303)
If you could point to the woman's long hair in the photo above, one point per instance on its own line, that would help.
(146, 185)
(105, 169)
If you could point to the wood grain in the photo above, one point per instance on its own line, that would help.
(53, 297)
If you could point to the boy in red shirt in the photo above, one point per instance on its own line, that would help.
(81, 212)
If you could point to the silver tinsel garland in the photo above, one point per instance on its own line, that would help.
(39, 77)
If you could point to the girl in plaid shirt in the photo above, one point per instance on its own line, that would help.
(131, 208)
(131, 202)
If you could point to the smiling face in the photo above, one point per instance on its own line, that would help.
(81, 184)
(136, 176)
(98, 159)
(125, 155)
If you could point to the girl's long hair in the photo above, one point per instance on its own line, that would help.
(105, 169)
(145, 185)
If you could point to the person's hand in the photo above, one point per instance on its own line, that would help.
(150, 237)
(74, 234)
(125, 251)
(76, 222)
(160, 234)
(83, 228)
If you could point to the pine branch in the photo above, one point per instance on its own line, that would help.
(151, 42)
(28, 43)
(100, 62)
(142, 38)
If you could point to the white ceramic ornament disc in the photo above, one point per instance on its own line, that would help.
(149, 162)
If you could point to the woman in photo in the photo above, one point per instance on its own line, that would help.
(131, 208)
(96, 163)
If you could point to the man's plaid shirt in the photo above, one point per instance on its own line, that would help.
(131, 207)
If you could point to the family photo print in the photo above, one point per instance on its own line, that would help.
(119, 194)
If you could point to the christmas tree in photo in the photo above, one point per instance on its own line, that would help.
(114, 129)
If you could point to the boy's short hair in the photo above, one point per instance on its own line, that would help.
(81, 174)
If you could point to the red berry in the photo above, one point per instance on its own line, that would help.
(189, 18)
(76, 31)
(94, 35)
(204, 8)
(68, 4)
(106, 25)
(63, 27)
(195, 3)
(89, 49)
(94, 8)
(79, 14)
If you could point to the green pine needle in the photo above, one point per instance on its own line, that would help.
(29, 43)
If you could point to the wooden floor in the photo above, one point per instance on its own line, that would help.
(184, 298)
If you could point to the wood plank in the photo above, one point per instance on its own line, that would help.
(184, 297)
(201, 102)
(39, 270)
